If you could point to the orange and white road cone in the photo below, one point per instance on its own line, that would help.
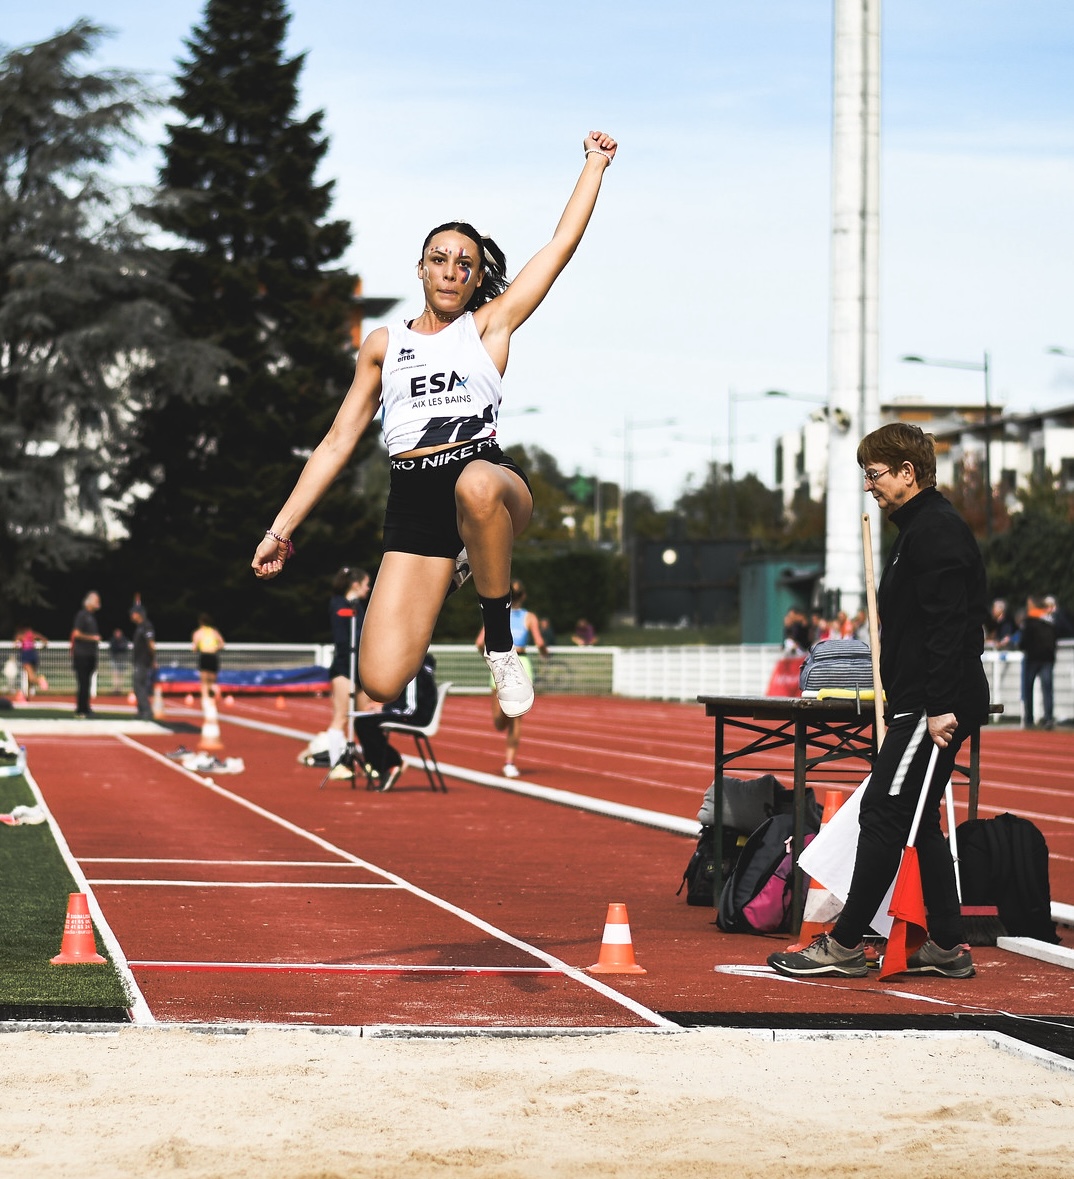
(821, 906)
(131, 698)
(78, 945)
(210, 740)
(616, 949)
(158, 702)
(281, 702)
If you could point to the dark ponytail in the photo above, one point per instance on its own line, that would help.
(493, 261)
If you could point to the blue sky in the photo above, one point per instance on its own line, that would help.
(705, 268)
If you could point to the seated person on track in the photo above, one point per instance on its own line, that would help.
(415, 706)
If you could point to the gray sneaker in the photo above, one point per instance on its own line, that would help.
(824, 957)
(931, 959)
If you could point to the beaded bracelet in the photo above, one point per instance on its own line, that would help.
(289, 548)
(599, 151)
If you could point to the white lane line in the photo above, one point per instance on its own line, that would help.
(139, 1008)
(133, 882)
(336, 968)
(227, 863)
(572, 972)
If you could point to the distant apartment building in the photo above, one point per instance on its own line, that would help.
(1022, 446)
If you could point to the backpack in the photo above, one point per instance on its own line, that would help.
(1004, 862)
(756, 897)
(837, 663)
(701, 870)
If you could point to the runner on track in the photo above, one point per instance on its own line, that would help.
(456, 502)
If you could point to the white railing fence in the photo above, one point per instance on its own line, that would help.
(649, 673)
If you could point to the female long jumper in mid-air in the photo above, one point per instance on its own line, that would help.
(456, 502)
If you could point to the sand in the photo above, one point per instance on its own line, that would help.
(277, 1103)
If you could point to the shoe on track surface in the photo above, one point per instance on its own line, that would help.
(393, 776)
(513, 688)
(824, 957)
(931, 959)
(510, 770)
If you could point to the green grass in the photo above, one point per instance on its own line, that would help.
(36, 885)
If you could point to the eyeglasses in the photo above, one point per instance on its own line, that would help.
(872, 476)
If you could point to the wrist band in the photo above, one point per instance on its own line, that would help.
(599, 151)
(289, 548)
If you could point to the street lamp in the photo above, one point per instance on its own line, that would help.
(733, 399)
(629, 426)
(981, 366)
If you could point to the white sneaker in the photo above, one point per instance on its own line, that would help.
(462, 572)
(510, 770)
(513, 688)
(340, 772)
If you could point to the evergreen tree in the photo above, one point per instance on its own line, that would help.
(254, 255)
(87, 340)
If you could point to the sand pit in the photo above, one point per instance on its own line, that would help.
(283, 1103)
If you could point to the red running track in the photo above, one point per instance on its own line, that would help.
(264, 898)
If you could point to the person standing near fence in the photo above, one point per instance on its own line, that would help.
(27, 642)
(1038, 642)
(143, 661)
(525, 629)
(208, 642)
(85, 650)
(933, 604)
(456, 502)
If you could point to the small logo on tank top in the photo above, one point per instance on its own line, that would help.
(406, 354)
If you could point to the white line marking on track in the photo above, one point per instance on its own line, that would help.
(134, 882)
(340, 968)
(228, 863)
(571, 972)
(139, 1009)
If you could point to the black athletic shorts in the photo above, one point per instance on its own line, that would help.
(421, 517)
(208, 661)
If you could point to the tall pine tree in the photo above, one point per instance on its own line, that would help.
(87, 338)
(255, 257)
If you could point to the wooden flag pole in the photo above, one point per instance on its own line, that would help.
(874, 625)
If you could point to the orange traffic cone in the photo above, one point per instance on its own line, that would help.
(19, 697)
(210, 740)
(281, 702)
(821, 907)
(78, 944)
(229, 701)
(158, 702)
(616, 948)
(131, 698)
(188, 700)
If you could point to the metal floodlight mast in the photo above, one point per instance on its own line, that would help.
(853, 363)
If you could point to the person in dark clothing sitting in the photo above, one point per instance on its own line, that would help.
(415, 706)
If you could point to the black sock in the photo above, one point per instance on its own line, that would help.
(496, 615)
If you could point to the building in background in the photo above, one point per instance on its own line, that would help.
(1023, 446)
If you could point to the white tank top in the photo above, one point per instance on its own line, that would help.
(437, 389)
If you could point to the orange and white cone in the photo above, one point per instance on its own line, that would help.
(616, 948)
(158, 702)
(822, 907)
(210, 741)
(78, 945)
